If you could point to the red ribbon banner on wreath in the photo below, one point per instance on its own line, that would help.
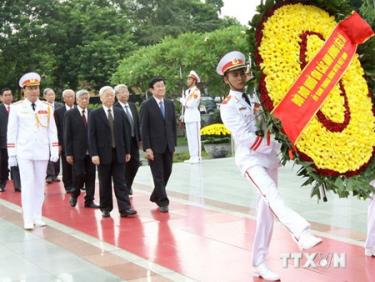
(317, 79)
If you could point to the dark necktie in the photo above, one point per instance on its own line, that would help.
(84, 118)
(246, 98)
(127, 111)
(162, 109)
(33, 106)
(110, 121)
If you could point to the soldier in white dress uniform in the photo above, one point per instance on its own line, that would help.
(192, 117)
(256, 157)
(370, 242)
(31, 136)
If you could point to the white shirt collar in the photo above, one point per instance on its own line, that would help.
(68, 108)
(80, 110)
(236, 94)
(123, 105)
(106, 109)
(158, 100)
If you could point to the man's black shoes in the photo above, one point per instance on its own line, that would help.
(128, 213)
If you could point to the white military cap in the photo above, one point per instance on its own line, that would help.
(29, 79)
(194, 75)
(231, 61)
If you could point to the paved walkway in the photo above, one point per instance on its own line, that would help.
(205, 237)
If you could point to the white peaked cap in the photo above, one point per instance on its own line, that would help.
(29, 79)
(231, 61)
(194, 75)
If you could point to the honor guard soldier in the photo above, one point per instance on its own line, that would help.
(256, 157)
(32, 135)
(192, 117)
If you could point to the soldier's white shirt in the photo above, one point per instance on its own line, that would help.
(251, 150)
(32, 135)
(191, 103)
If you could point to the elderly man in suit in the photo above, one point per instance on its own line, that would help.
(6, 99)
(67, 169)
(131, 113)
(109, 147)
(53, 168)
(76, 149)
(158, 130)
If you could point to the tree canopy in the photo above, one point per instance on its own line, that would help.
(198, 51)
(79, 43)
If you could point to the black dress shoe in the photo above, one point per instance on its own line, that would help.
(128, 213)
(73, 201)
(106, 213)
(131, 191)
(164, 209)
(49, 180)
(69, 190)
(17, 190)
(56, 179)
(92, 205)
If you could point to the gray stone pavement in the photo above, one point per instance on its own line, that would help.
(219, 179)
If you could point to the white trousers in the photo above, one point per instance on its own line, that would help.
(194, 139)
(33, 175)
(370, 242)
(270, 205)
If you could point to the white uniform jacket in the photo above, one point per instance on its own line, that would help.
(251, 150)
(32, 135)
(191, 103)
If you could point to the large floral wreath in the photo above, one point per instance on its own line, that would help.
(336, 149)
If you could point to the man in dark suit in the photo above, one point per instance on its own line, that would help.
(67, 169)
(131, 113)
(76, 149)
(158, 130)
(53, 168)
(109, 147)
(6, 99)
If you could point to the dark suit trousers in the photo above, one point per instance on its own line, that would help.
(132, 166)
(114, 171)
(53, 169)
(161, 169)
(4, 172)
(67, 172)
(84, 173)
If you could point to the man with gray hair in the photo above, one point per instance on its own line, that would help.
(68, 96)
(109, 147)
(76, 149)
(53, 168)
(132, 118)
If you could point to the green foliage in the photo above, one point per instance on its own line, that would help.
(80, 43)
(198, 51)
(153, 20)
(343, 186)
(215, 139)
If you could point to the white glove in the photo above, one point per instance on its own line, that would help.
(54, 158)
(12, 161)
(182, 101)
(181, 118)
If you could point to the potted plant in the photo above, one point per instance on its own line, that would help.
(216, 140)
